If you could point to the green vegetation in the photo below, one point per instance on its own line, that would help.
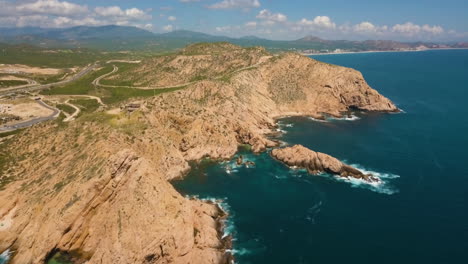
(9, 83)
(123, 68)
(57, 58)
(122, 94)
(14, 132)
(66, 108)
(81, 86)
(84, 86)
(45, 79)
(198, 78)
(5, 160)
(86, 105)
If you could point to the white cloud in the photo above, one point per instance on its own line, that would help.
(117, 12)
(251, 24)
(406, 29)
(56, 13)
(436, 30)
(319, 23)
(235, 4)
(51, 7)
(277, 26)
(223, 29)
(365, 27)
(266, 14)
(168, 28)
(172, 18)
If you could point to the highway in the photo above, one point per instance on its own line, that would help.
(80, 74)
(34, 121)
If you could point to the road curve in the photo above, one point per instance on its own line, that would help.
(34, 121)
(97, 81)
(80, 74)
(74, 115)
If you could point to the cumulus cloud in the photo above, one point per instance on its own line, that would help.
(266, 14)
(277, 26)
(319, 23)
(365, 27)
(171, 18)
(411, 29)
(236, 4)
(56, 13)
(51, 7)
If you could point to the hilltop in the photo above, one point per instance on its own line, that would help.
(99, 188)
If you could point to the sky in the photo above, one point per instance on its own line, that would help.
(409, 20)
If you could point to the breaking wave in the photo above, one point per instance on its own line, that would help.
(231, 166)
(5, 256)
(345, 118)
(228, 223)
(383, 186)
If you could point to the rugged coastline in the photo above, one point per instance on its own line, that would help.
(109, 196)
(299, 156)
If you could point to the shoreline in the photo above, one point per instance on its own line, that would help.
(375, 51)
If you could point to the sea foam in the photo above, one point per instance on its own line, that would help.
(345, 118)
(382, 186)
(228, 223)
(5, 256)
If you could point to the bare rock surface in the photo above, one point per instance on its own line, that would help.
(316, 162)
(100, 186)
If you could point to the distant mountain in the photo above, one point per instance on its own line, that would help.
(78, 33)
(250, 38)
(186, 34)
(312, 39)
(131, 38)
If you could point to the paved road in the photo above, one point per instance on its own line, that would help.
(45, 86)
(34, 121)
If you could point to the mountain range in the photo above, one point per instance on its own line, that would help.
(118, 38)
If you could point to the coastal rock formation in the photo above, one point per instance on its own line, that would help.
(99, 186)
(316, 162)
(116, 209)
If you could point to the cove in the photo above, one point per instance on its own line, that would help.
(419, 214)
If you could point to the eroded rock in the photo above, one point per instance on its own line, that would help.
(316, 162)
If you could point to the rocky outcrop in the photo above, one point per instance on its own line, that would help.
(105, 203)
(100, 185)
(316, 162)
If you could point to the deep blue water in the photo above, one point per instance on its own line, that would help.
(420, 213)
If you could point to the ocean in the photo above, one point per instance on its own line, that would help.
(419, 214)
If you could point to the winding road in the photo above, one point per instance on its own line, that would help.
(29, 88)
(34, 121)
(74, 115)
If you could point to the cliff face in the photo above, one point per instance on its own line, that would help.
(99, 186)
(104, 202)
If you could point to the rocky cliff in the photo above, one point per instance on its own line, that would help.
(99, 187)
(316, 162)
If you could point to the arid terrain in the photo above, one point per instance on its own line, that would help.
(99, 187)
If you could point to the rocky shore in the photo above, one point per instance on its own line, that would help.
(315, 162)
(100, 186)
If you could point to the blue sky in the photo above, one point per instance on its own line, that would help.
(274, 19)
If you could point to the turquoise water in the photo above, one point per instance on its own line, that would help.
(418, 215)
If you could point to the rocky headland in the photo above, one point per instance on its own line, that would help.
(315, 162)
(99, 187)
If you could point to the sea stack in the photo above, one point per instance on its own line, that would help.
(316, 162)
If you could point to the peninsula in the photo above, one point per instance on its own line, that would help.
(98, 188)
